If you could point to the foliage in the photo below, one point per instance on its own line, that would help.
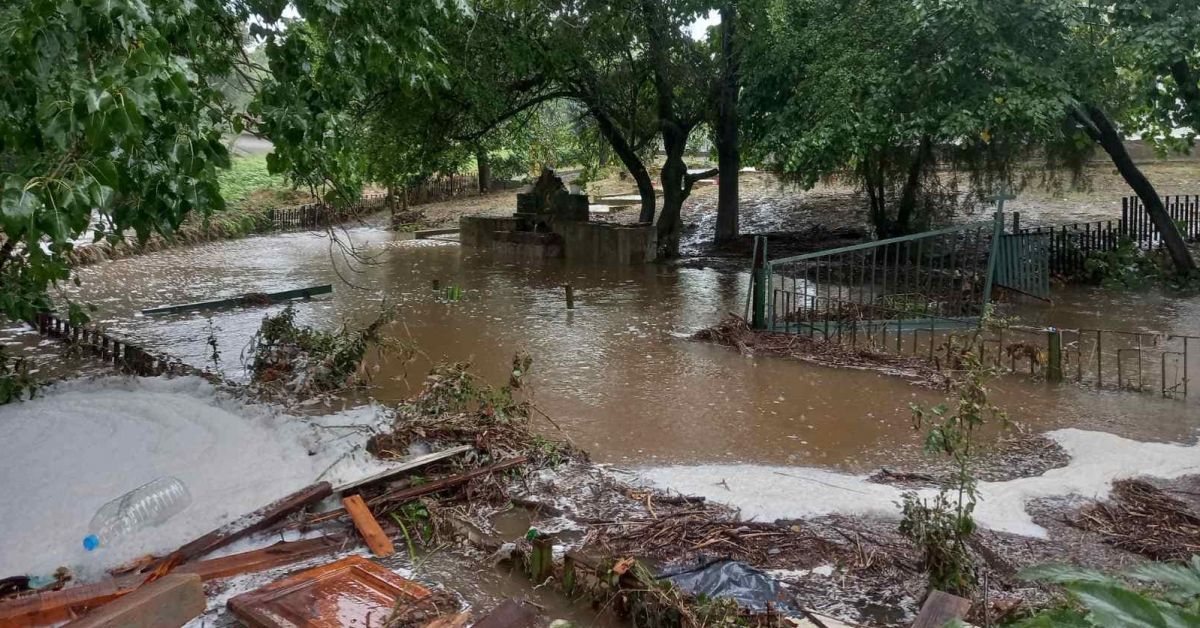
(1152, 595)
(306, 361)
(1158, 43)
(15, 381)
(889, 91)
(941, 527)
(108, 119)
(247, 175)
(1126, 267)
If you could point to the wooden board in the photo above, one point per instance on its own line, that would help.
(169, 602)
(350, 592)
(408, 465)
(941, 608)
(368, 527)
(52, 607)
(275, 297)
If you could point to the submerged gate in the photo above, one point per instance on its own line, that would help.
(936, 279)
(1023, 263)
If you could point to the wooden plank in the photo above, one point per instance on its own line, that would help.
(52, 607)
(368, 527)
(274, 297)
(941, 608)
(423, 234)
(256, 521)
(437, 486)
(277, 555)
(168, 602)
(417, 462)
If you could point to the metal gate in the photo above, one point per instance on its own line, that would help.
(1023, 263)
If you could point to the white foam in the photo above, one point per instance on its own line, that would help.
(768, 493)
(82, 443)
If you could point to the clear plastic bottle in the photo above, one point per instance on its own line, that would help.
(145, 506)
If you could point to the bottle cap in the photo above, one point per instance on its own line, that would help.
(91, 542)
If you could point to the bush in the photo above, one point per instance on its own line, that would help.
(1152, 595)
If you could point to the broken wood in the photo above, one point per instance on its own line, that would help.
(52, 607)
(415, 463)
(941, 608)
(259, 298)
(437, 486)
(256, 521)
(277, 555)
(349, 592)
(368, 527)
(168, 602)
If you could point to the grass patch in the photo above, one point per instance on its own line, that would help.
(248, 185)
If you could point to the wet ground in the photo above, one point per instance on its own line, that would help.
(616, 373)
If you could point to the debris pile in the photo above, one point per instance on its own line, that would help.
(301, 361)
(1143, 519)
(735, 332)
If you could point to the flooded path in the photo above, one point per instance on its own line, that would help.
(615, 373)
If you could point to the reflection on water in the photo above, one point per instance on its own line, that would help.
(615, 372)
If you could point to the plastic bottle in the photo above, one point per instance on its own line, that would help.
(145, 506)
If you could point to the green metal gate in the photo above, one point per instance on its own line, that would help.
(941, 278)
(1023, 263)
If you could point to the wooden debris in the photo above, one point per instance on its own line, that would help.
(349, 592)
(437, 486)
(168, 602)
(256, 298)
(277, 555)
(368, 527)
(415, 463)
(256, 521)
(941, 608)
(52, 607)
(1142, 518)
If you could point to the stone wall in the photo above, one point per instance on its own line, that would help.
(583, 242)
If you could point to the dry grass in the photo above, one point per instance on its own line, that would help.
(1143, 519)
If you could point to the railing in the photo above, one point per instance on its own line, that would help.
(117, 351)
(1071, 245)
(944, 274)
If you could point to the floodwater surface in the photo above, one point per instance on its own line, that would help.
(617, 373)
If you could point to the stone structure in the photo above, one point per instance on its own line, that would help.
(550, 222)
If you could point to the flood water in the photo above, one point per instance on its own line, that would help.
(616, 373)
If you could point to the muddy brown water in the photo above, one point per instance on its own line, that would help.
(616, 373)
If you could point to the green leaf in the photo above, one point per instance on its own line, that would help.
(1113, 605)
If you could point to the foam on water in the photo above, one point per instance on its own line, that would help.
(767, 493)
(82, 443)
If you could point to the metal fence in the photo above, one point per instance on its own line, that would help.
(1071, 245)
(907, 282)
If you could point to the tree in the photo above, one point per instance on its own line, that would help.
(109, 120)
(895, 92)
(1136, 52)
(728, 145)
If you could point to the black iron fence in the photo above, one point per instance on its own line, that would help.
(1071, 245)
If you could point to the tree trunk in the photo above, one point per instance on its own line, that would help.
(728, 154)
(485, 170)
(912, 187)
(630, 159)
(1101, 129)
(874, 181)
(674, 180)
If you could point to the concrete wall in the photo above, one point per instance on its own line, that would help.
(583, 242)
(477, 231)
(608, 244)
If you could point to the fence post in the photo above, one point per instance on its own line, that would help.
(759, 277)
(1016, 223)
(1054, 370)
